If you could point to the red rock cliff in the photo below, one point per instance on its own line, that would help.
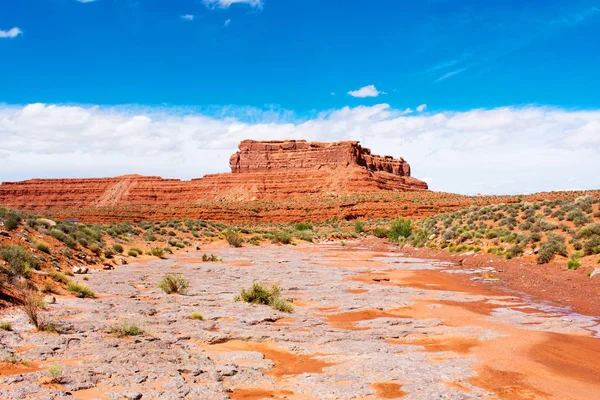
(297, 172)
(261, 156)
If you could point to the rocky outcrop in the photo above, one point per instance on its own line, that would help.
(261, 156)
(297, 172)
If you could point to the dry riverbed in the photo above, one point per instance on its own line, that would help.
(368, 323)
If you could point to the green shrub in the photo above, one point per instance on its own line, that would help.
(554, 245)
(132, 253)
(174, 283)
(303, 227)
(592, 246)
(117, 248)
(233, 238)
(80, 289)
(400, 228)
(12, 219)
(124, 329)
(5, 326)
(261, 294)
(156, 252)
(58, 277)
(95, 248)
(55, 372)
(197, 316)
(63, 237)
(359, 226)
(20, 262)
(573, 264)
(380, 232)
(42, 246)
(282, 237)
(304, 235)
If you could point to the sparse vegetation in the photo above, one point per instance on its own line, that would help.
(5, 326)
(125, 329)
(55, 371)
(196, 316)
(260, 294)
(20, 261)
(233, 238)
(81, 290)
(174, 283)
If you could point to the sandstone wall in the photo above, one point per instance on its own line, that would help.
(300, 154)
(306, 174)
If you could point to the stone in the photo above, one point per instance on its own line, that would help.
(80, 270)
(49, 299)
(595, 273)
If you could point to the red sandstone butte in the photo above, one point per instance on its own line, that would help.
(273, 171)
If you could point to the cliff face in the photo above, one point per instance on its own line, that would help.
(305, 174)
(261, 156)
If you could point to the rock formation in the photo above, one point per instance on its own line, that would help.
(273, 171)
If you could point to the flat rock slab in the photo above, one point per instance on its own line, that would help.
(366, 324)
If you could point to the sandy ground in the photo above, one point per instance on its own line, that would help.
(368, 323)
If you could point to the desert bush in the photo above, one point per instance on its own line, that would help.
(210, 258)
(20, 261)
(58, 277)
(588, 231)
(554, 245)
(12, 219)
(380, 232)
(282, 237)
(304, 235)
(33, 305)
(132, 253)
(261, 294)
(156, 252)
(117, 248)
(125, 328)
(592, 246)
(419, 238)
(197, 316)
(42, 246)
(80, 290)
(359, 226)
(303, 227)
(233, 238)
(573, 264)
(174, 283)
(5, 326)
(95, 248)
(400, 228)
(55, 372)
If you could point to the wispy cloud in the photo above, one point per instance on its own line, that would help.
(86, 1)
(228, 3)
(422, 108)
(188, 17)
(366, 91)
(11, 33)
(227, 22)
(450, 74)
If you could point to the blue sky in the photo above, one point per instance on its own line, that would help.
(450, 54)
(501, 93)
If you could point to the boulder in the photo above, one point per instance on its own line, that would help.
(595, 273)
(49, 299)
(80, 270)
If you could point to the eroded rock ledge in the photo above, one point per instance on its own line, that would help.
(291, 154)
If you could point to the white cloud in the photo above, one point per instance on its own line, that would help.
(11, 33)
(450, 74)
(188, 17)
(227, 22)
(86, 1)
(422, 108)
(228, 3)
(366, 91)
(501, 150)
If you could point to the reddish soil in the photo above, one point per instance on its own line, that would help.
(388, 390)
(551, 281)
